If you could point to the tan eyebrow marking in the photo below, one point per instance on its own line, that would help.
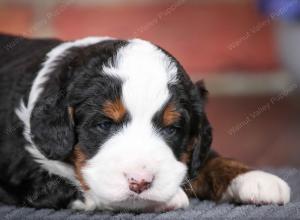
(170, 114)
(114, 110)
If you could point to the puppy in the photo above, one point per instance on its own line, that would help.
(102, 123)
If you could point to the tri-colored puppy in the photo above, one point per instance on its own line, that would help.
(102, 123)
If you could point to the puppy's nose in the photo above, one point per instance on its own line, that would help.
(138, 182)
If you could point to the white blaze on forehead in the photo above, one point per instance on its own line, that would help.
(146, 72)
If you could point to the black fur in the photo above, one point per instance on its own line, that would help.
(203, 131)
(22, 181)
(75, 82)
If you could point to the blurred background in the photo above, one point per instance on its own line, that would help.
(247, 51)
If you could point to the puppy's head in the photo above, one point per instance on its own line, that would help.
(128, 116)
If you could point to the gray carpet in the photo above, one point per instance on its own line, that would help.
(203, 209)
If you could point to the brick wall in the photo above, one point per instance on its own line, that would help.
(206, 36)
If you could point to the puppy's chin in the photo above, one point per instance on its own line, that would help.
(136, 203)
(111, 190)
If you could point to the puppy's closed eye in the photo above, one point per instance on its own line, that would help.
(106, 125)
(170, 130)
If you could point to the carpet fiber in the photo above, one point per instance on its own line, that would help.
(197, 209)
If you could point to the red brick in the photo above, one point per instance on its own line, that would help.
(198, 35)
(16, 20)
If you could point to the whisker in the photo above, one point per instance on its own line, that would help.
(192, 189)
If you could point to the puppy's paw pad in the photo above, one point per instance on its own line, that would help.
(258, 187)
(179, 201)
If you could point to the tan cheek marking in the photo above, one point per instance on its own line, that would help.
(170, 115)
(186, 156)
(79, 161)
(114, 110)
(71, 112)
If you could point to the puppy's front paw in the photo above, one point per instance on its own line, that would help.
(180, 200)
(87, 205)
(258, 187)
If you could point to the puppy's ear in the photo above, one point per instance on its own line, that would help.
(52, 126)
(52, 119)
(201, 130)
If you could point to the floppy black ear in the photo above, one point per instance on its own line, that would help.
(52, 119)
(202, 131)
(52, 126)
